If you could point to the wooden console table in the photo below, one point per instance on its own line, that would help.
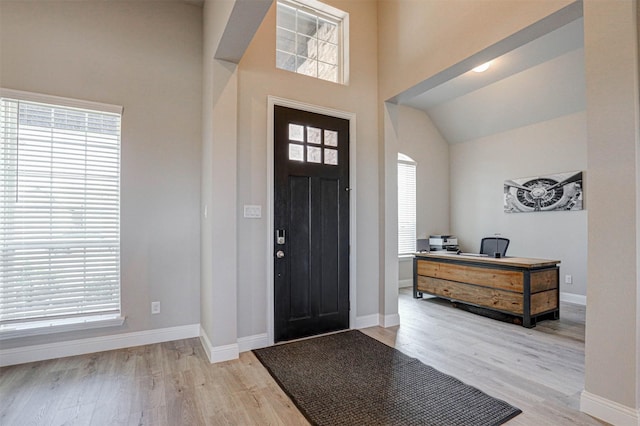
(526, 288)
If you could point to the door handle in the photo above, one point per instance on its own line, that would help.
(279, 254)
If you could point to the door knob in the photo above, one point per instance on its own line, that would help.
(279, 254)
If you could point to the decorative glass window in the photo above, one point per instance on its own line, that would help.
(59, 211)
(313, 145)
(406, 205)
(311, 39)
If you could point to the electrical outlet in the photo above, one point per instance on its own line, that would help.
(155, 307)
(568, 279)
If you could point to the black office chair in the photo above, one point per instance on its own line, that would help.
(491, 245)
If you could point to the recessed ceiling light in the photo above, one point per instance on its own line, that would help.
(483, 67)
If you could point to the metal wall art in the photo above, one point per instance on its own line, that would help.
(560, 191)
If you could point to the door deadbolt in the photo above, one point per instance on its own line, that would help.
(280, 236)
(279, 254)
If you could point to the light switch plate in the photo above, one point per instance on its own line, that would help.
(253, 211)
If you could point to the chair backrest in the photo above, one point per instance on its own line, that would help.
(491, 245)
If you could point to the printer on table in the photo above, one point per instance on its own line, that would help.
(443, 243)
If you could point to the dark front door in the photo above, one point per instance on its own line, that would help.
(311, 221)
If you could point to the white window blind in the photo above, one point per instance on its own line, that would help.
(406, 205)
(59, 210)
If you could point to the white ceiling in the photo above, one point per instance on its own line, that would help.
(537, 81)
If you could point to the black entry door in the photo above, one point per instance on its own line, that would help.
(311, 221)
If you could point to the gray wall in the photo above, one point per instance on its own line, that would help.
(257, 79)
(612, 370)
(147, 59)
(419, 139)
(478, 170)
(475, 171)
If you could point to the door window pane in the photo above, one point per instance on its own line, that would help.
(330, 138)
(314, 154)
(314, 135)
(296, 132)
(331, 156)
(296, 152)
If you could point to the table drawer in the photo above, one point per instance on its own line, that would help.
(494, 278)
(544, 301)
(482, 296)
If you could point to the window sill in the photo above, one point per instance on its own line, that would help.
(405, 257)
(35, 328)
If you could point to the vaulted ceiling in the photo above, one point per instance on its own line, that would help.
(540, 80)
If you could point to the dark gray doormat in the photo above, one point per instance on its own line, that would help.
(350, 378)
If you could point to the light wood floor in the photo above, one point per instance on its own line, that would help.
(539, 370)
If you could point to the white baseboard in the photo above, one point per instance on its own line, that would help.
(577, 299)
(206, 343)
(366, 321)
(389, 320)
(256, 341)
(43, 352)
(377, 320)
(609, 411)
(218, 353)
(405, 283)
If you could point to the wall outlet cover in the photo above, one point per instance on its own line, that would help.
(253, 211)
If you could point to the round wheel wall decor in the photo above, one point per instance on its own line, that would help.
(560, 191)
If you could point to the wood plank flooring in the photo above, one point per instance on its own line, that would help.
(539, 370)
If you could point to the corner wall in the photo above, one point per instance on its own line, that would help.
(612, 353)
(480, 167)
(411, 52)
(258, 78)
(140, 57)
(219, 287)
(420, 139)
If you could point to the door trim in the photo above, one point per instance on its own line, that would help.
(272, 101)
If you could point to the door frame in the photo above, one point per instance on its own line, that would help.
(272, 101)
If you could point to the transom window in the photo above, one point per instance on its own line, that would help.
(59, 211)
(313, 145)
(311, 39)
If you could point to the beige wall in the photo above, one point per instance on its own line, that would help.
(480, 167)
(421, 38)
(218, 287)
(419, 139)
(147, 59)
(411, 51)
(258, 78)
(417, 40)
(611, 62)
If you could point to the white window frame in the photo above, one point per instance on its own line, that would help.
(337, 16)
(12, 328)
(407, 225)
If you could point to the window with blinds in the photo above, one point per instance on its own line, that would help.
(406, 205)
(59, 208)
